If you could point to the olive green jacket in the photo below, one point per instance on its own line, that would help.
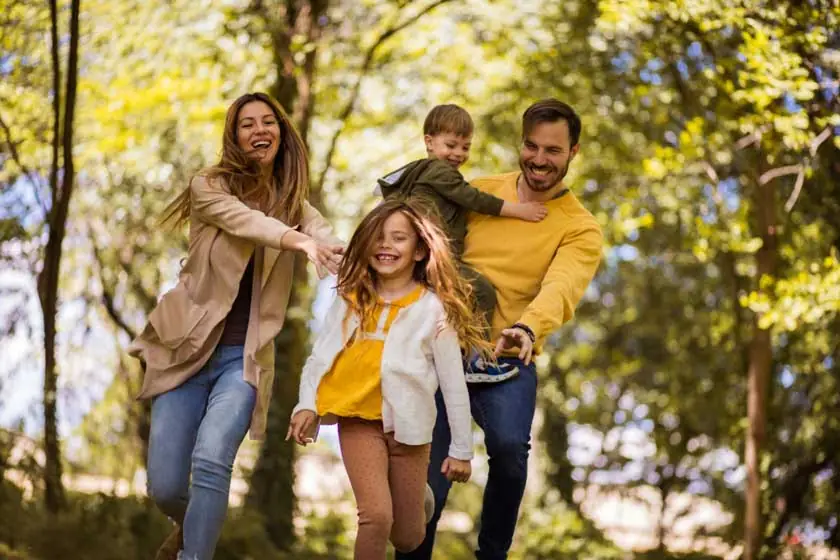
(444, 191)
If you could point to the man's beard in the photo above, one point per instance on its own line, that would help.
(548, 186)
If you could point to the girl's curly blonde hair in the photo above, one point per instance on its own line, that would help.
(437, 271)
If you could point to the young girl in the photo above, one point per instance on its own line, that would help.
(392, 337)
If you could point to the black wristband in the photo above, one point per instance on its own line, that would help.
(527, 330)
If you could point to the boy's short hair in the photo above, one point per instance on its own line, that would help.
(449, 118)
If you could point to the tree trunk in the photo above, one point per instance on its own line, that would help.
(271, 490)
(272, 482)
(758, 374)
(143, 423)
(554, 435)
(294, 88)
(57, 224)
(665, 485)
(54, 490)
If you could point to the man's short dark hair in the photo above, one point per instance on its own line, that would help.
(551, 110)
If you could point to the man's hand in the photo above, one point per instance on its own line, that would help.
(456, 470)
(513, 338)
(301, 426)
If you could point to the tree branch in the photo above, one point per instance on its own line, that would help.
(56, 106)
(751, 138)
(797, 188)
(710, 171)
(777, 172)
(147, 300)
(308, 25)
(817, 142)
(363, 71)
(71, 85)
(793, 491)
(800, 178)
(108, 294)
(281, 29)
(19, 162)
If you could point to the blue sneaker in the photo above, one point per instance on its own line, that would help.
(479, 370)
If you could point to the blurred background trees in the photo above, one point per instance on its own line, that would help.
(692, 406)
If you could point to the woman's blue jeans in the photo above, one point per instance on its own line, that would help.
(196, 430)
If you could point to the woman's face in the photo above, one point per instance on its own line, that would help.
(258, 132)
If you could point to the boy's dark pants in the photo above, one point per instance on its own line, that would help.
(483, 290)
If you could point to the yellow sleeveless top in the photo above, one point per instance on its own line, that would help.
(352, 386)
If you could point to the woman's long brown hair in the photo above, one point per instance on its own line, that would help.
(437, 271)
(282, 199)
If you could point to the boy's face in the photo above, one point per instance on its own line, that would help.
(449, 147)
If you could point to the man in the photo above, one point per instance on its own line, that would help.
(540, 272)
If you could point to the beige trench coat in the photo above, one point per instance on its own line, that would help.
(186, 325)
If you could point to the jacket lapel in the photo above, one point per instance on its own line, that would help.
(268, 263)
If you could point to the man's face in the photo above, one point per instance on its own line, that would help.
(545, 155)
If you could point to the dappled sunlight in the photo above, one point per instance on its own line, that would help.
(690, 407)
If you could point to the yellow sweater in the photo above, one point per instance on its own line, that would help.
(540, 270)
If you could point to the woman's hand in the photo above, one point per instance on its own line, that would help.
(325, 257)
(301, 426)
(456, 470)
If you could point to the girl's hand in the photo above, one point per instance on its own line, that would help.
(456, 470)
(516, 337)
(300, 426)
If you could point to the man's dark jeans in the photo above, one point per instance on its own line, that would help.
(504, 411)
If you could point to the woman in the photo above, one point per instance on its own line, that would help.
(207, 347)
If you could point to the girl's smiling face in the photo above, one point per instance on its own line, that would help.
(396, 250)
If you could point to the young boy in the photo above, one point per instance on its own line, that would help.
(436, 181)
